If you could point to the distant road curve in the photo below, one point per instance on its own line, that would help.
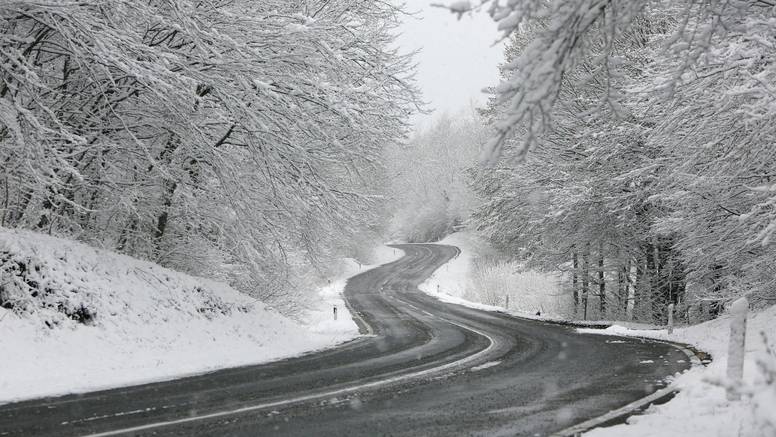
(426, 368)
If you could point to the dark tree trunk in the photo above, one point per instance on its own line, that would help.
(585, 279)
(640, 287)
(623, 286)
(575, 280)
(601, 282)
(162, 219)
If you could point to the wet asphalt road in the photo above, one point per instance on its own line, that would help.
(425, 368)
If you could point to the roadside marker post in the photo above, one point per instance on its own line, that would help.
(670, 319)
(335, 312)
(735, 365)
(506, 303)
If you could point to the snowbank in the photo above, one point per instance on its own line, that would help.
(77, 319)
(701, 407)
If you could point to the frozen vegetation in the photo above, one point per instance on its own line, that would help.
(475, 277)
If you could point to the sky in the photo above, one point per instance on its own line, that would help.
(457, 59)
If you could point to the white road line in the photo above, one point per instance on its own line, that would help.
(421, 373)
(487, 365)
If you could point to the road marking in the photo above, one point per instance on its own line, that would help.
(105, 416)
(486, 365)
(463, 362)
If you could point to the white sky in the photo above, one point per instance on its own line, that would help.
(457, 58)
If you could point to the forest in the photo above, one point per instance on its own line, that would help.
(239, 140)
(628, 146)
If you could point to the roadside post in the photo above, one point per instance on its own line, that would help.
(670, 318)
(506, 301)
(735, 366)
(335, 312)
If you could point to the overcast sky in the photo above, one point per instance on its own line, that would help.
(457, 58)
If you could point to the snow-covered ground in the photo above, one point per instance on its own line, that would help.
(701, 408)
(75, 319)
(473, 279)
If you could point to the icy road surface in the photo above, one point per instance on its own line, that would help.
(424, 367)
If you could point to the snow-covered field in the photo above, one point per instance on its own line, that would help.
(701, 408)
(75, 319)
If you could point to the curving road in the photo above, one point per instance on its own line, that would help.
(424, 368)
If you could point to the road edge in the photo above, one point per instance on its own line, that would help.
(697, 358)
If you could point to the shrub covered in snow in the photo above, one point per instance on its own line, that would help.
(478, 276)
(27, 286)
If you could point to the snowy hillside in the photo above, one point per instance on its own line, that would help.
(75, 319)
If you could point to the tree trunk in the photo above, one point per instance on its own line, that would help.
(163, 217)
(575, 281)
(585, 279)
(639, 287)
(623, 289)
(601, 282)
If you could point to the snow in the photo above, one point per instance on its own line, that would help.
(460, 6)
(472, 280)
(484, 366)
(139, 322)
(701, 407)
(451, 280)
(320, 318)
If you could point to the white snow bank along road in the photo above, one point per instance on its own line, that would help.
(701, 408)
(76, 319)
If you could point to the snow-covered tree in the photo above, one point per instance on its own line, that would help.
(635, 134)
(429, 182)
(224, 136)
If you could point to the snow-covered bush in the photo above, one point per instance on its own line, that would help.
(479, 275)
(530, 291)
(31, 285)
